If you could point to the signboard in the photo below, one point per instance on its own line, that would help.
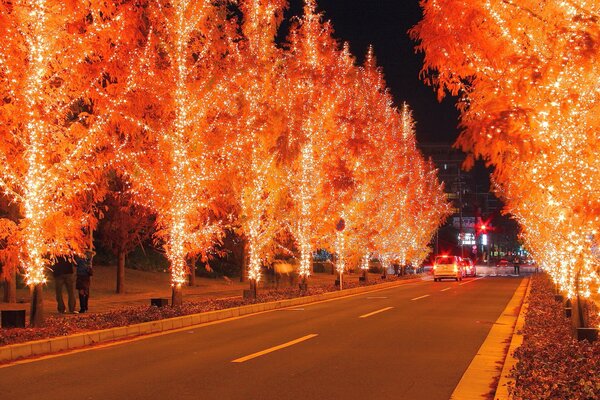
(467, 222)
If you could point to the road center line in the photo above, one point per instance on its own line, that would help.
(443, 290)
(275, 348)
(421, 297)
(375, 312)
(476, 279)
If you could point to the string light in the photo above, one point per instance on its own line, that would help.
(528, 80)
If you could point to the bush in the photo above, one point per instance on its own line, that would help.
(551, 363)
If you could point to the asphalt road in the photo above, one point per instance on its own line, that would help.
(410, 342)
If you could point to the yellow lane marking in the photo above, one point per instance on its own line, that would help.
(275, 348)
(476, 279)
(421, 297)
(375, 312)
(443, 290)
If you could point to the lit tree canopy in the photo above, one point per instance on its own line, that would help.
(56, 60)
(211, 124)
(180, 115)
(526, 74)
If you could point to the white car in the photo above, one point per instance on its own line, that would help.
(448, 267)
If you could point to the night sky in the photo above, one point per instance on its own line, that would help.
(384, 24)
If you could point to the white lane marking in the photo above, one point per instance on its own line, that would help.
(421, 297)
(476, 279)
(443, 290)
(375, 312)
(274, 348)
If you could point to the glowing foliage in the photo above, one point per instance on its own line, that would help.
(212, 125)
(56, 63)
(527, 75)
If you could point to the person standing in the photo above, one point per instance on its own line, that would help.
(62, 270)
(517, 265)
(84, 274)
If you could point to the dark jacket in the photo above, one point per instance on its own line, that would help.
(84, 267)
(62, 266)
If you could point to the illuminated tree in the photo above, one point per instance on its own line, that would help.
(258, 182)
(181, 114)
(57, 60)
(312, 82)
(526, 74)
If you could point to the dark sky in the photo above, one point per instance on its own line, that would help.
(384, 24)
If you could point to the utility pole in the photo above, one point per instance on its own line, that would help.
(460, 208)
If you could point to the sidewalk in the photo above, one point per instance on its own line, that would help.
(141, 286)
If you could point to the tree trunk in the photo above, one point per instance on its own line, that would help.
(177, 296)
(244, 267)
(192, 280)
(36, 314)
(578, 319)
(121, 272)
(10, 287)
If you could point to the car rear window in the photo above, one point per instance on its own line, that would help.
(444, 260)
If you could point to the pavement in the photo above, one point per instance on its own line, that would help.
(141, 286)
(412, 341)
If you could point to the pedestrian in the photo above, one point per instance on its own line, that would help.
(62, 270)
(516, 265)
(84, 275)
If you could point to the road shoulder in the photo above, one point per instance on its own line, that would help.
(479, 380)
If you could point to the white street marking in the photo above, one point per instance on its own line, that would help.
(275, 348)
(422, 297)
(375, 312)
(476, 279)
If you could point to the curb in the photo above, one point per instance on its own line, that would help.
(478, 380)
(505, 381)
(17, 351)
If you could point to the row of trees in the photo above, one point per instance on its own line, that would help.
(209, 125)
(526, 74)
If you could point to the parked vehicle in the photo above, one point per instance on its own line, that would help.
(447, 267)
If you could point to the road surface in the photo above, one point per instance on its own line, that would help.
(410, 342)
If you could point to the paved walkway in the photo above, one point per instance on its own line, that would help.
(141, 286)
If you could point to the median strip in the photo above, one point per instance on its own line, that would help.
(375, 312)
(421, 297)
(275, 348)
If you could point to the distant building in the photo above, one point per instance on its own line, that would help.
(473, 207)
